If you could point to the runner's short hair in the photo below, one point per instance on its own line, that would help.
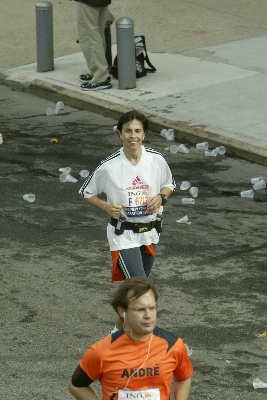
(137, 286)
(130, 116)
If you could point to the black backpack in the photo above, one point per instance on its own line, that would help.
(141, 57)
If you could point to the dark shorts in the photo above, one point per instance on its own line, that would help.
(136, 262)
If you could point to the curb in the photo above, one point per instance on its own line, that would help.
(183, 133)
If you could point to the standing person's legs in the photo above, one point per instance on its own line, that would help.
(103, 12)
(135, 262)
(91, 25)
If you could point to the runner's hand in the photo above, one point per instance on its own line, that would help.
(153, 204)
(114, 209)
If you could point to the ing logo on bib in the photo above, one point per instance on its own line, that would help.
(136, 199)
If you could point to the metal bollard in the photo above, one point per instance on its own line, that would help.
(44, 36)
(126, 53)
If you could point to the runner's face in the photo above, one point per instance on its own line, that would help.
(132, 135)
(140, 316)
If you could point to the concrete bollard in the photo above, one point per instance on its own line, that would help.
(126, 53)
(44, 36)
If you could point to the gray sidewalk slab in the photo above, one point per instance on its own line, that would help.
(216, 93)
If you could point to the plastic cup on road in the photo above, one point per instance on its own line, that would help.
(84, 173)
(164, 133)
(247, 193)
(170, 134)
(193, 191)
(183, 220)
(115, 128)
(258, 384)
(59, 105)
(185, 185)
(202, 146)
(220, 150)
(30, 197)
(173, 148)
(255, 180)
(259, 185)
(67, 178)
(66, 170)
(212, 153)
(183, 149)
(189, 350)
(51, 111)
(188, 200)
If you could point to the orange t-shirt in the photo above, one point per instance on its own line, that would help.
(115, 358)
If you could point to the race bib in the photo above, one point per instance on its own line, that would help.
(135, 200)
(143, 394)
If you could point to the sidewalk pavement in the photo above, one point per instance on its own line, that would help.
(215, 94)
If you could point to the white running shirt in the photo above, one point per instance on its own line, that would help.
(130, 185)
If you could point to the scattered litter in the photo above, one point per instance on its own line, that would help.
(193, 191)
(188, 200)
(189, 350)
(202, 146)
(256, 180)
(259, 185)
(59, 105)
(220, 150)
(173, 148)
(67, 178)
(30, 197)
(164, 132)
(247, 193)
(54, 140)
(115, 128)
(212, 153)
(54, 111)
(66, 170)
(225, 360)
(183, 220)
(258, 384)
(182, 149)
(167, 148)
(51, 111)
(261, 335)
(167, 133)
(84, 173)
(185, 185)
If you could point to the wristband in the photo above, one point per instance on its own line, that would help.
(164, 198)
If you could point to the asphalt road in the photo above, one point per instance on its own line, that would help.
(55, 261)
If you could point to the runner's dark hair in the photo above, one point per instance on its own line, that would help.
(130, 116)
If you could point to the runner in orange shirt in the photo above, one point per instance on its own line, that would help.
(136, 362)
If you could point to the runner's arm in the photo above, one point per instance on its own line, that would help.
(112, 209)
(182, 389)
(82, 393)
